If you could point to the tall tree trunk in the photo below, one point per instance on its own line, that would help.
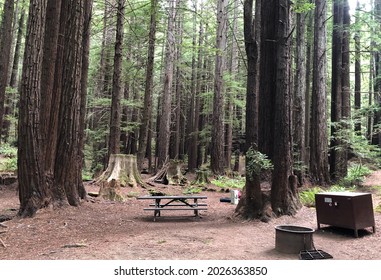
(284, 197)
(99, 144)
(299, 121)
(318, 127)
(251, 204)
(217, 148)
(51, 79)
(132, 140)
(174, 150)
(309, 62)
(201, 148)
(233, 70)
(340, 105)
(115, 120)
(369, 133)
(33, 192)
(165, 119)
(357, 72)
(84, 82)
(268, 80)
(376, 135)
(68, 161)
(195, 146)
(147, 112)
(192, 126)
(5, 51)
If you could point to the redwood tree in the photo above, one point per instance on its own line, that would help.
(165, 118)
(5, 50)
(66, 175)
(217, 163)
(318, 128)
(284, 197)
(33, 192)
(340, 98)
(115, 120)
(251, 204)
(147, 113)
(299, 112)
(38, 185)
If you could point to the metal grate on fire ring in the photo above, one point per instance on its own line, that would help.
(314, 255)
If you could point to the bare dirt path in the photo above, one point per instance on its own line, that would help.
(105, 230)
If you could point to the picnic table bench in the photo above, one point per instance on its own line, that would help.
(174, 203)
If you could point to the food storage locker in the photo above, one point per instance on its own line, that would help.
(351, 210)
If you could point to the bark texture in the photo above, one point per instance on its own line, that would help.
(217, 148)
(115, 120)
(318, 128)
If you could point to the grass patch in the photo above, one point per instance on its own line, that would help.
(229, 183)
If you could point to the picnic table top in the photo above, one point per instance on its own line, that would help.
(172, 197)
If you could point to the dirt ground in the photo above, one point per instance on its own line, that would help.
(104, 230)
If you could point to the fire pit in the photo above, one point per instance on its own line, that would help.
(293, 239)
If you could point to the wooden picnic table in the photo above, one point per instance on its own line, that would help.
(174, 203)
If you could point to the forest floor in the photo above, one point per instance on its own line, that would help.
(104, 230)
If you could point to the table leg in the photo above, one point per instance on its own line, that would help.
(195, 205)
(157, 205)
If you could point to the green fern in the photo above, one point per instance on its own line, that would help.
(307, 197)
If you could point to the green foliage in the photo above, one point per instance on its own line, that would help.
(8, 150)
(339, 188)
(192, 190)
(86, 175)
(307, 197)
(355, 142)
(302, 6)
(356, 175)
(256, 162)
(9, 164)
(10, 153)
(229, 183)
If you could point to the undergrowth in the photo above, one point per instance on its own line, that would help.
(356, 175)
(237, 182)
(307, 197)
(9, 161)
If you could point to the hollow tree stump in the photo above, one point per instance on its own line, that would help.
(170, 174)
(121, 172)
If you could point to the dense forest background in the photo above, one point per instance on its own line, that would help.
(293, 86)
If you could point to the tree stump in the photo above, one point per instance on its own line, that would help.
(170, 174)
(121, 172)
(202, 178)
